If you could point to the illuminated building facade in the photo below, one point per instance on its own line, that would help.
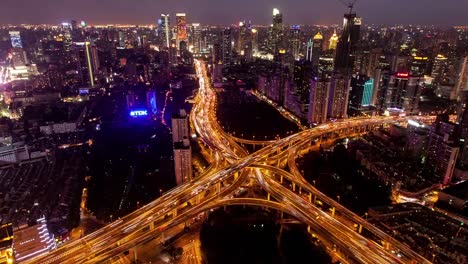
(227, 46)
(196, 38)
(15, 38)
(319, 93)
(333, 41)
(180, 126)
(33, 241)
(87, 62)
(6, 243)
(181, 23)
(295, 41)
(462, 78)
(316, 50)
(276, 32)
(404, 92)
(164, 30)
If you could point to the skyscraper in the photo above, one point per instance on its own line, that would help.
(227, 46)
(181, 20)
(309, 49)
(319, 93)
(276, 32)
(333, 41)
(196, 37)
(87, 62)
(316, 50)
(295, 41)
(404, 92)
(164, 29)
(344, 58)
(462, 78)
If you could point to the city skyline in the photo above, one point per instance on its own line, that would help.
(227, 12)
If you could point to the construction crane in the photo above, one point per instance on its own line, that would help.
(350, 4)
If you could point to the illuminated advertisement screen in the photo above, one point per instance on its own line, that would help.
(139, 113)
(151, 102)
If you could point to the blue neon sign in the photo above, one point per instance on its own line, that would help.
(137, 113)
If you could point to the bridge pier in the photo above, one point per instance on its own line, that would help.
(360, 229)
(333, 211)
(268, 197)
(310, 197)
(174, 213)
(294, 187)
(281, 179)
(218, 187)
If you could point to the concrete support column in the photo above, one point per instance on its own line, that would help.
(268, 196)
(294, 186)
(174, 213)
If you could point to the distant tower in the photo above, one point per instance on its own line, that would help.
(227, 46)
(276, 34)
(88, 62)
(404, 92)
(310, 45)
(316, 50)
(164, 30)
(295, 41)
(196, 38)
(181, 28)
(333, 41)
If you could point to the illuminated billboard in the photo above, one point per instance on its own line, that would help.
(15, 37)
(151, 102)
(139, 113)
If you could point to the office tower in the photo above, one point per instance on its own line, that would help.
(164, 30)
(181, 20)
(295, 41)
(196, 38)
(276, 33)
(180, 126)
(227, 46)
(318, 102)
(356, 93)
(373, 62)
(404, 92)
(182, 161)
(442, 151)
(316, 50)
(254, 33)
(419, 65)
(368, 92)
(67, 37)
(310, 45)
(344, 58)
(87, 62)
(242, 37)
(338, 97)
(18, 57)
(462, 78)
(333, 41)
(122, 39)
(15, 38)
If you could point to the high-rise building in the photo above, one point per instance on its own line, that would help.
(333, 41)
(6, 246)
(316, 50)
(338, 97)
(15, 38)
(196, 38)
(356, 93)
(276, 32)
(164, 30)
(181, 20)
(180, 126)
(309, 51)
(227, 46)
(368, 92)
(462, 78)
(318, 102)
(122, 39)
(183, 161)
(404, 92)
(344, 58)
(442, 151)
(87, 62)
(295, 41)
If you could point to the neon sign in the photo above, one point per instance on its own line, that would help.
(136, 113)
(402, 74)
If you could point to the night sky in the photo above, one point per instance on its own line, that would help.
(433, 12)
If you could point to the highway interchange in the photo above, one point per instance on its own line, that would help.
(231, 167)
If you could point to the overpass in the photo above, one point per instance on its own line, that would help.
(232, 167)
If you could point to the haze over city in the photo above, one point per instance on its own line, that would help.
(427, 12)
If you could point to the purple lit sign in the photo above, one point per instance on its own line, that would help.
(137, 113)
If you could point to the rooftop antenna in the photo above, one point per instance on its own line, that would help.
(350, 4)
